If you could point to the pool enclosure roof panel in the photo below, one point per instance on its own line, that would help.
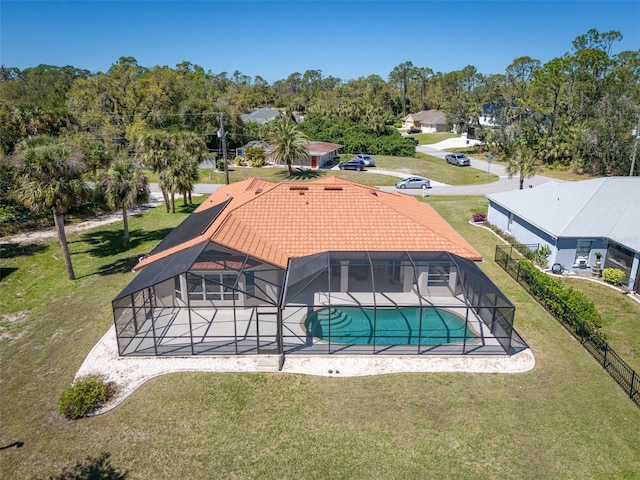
(163, 269)
(192, 226)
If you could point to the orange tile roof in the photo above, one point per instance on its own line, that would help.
(277, 221)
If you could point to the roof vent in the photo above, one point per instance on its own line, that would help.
(258, 190)
(294, 188)
(373, 192)
(329, 188)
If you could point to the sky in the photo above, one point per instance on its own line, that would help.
(273, 39)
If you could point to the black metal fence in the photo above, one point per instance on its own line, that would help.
(615, 366)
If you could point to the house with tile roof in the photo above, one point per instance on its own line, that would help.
(577, 220)
(328, 266)
(320, 153)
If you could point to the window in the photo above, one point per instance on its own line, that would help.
(583, 248)
(212, 286)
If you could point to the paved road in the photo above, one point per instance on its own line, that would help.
(504, 183)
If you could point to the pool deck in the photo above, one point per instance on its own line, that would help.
(130, 373)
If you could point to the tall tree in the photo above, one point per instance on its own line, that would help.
(287, 142)
(121, 187)
(523, 164)
(401, 76)
(52, 178)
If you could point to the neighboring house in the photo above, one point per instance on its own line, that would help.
(429, 121)
(490, 116)
(265, 115)
(320, 153)
(576, 220)
(328, 266)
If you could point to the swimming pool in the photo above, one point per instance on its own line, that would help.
(393, 326)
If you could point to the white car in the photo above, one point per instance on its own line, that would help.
(414, 182)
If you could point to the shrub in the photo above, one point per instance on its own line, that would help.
(239, 161)
(86, 394)
(220, 164)
(568, 305)
(255, 156)
(614, 276)
(541, 257)
(479, 217)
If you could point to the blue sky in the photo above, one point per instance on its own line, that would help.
(276, 38)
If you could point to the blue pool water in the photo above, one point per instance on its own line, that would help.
(393, 326)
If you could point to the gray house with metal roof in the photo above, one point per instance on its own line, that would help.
(576, 220)
(265, 115)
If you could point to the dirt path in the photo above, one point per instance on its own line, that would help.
(32, 237)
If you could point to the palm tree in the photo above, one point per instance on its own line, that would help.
(121, 187)
(287, 142)
(153, 150)
(524, 163)
(175, 157)
(52, 178)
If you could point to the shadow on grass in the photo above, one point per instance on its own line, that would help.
(91, 468)
(12, 250)
(5, 272)
(300, 174)
(107, 243)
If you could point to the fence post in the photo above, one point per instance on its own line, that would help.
(604, 360)
(633, 378)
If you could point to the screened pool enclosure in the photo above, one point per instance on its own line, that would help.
(211, 300)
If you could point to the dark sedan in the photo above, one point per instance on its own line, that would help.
(355, 164)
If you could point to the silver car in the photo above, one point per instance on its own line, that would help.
(459, 159)
(414, 182)
(368, 161)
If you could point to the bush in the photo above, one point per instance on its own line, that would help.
(85, 395)
(220, 165)
(479, 217)
(239, 161)
(568, 305)
(614, 276)
(541, 257)
(255, 156)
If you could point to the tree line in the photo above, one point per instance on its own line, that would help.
(576, 111)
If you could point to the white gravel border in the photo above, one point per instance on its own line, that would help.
(129, 373)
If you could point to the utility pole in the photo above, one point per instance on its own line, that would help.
(223, 138)
(636, 133)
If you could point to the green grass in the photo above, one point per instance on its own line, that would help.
(424, 165)
(552, 171)
(431, 138)
(566, 419)
(620, 315)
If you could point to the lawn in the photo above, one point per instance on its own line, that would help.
(423, 165)
(620, 315)
(566, 419)
(431, 138)
(552, 171)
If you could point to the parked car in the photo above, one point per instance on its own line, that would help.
(368, 161)
(413, 130)
(414, 182)
(459, 159)
(353, 164)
